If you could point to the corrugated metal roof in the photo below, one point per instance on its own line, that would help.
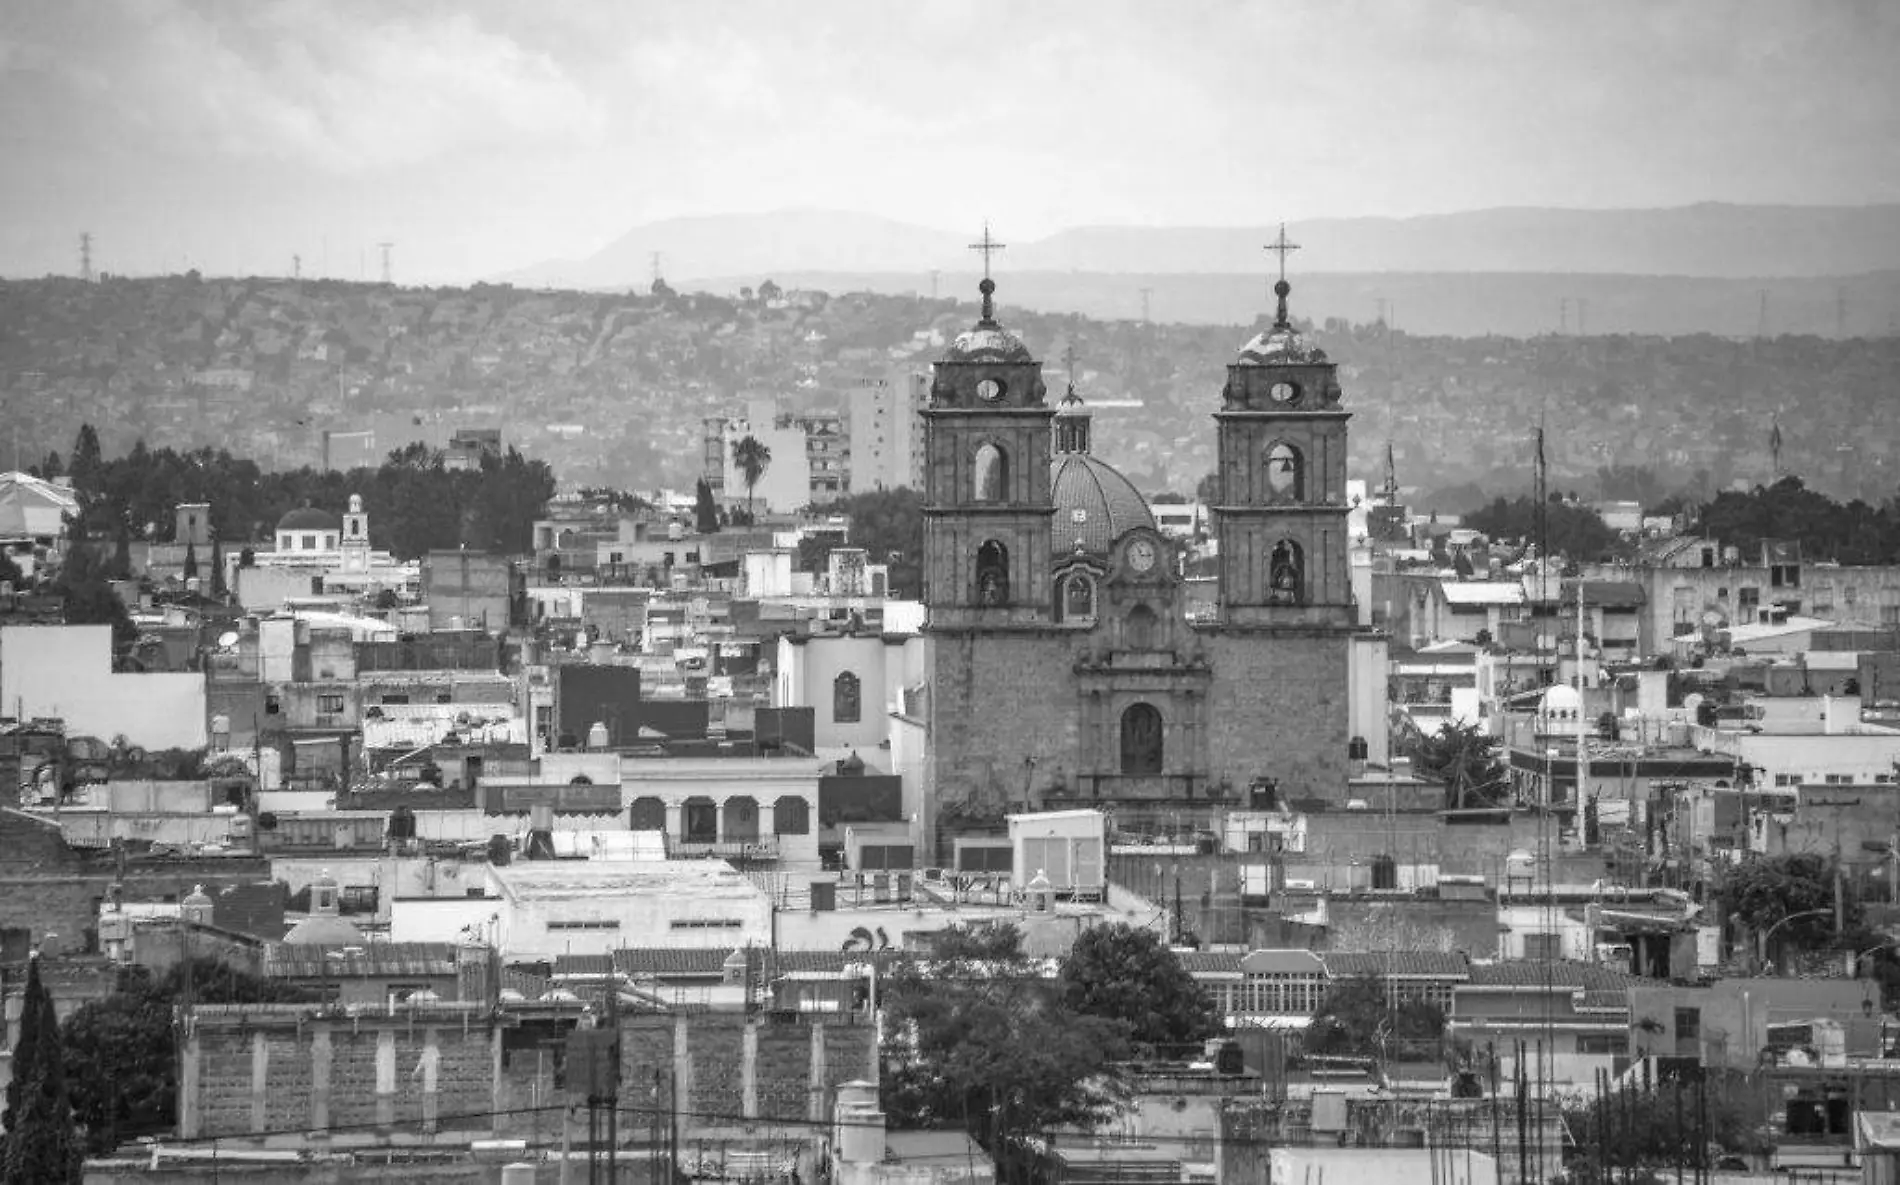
(371, 960)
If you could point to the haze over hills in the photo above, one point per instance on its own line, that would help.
(1711, 240)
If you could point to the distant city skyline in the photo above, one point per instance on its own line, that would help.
(487, 137)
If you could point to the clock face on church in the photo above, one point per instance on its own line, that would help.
(1282, 392)
(989, 390)
(1141, 555)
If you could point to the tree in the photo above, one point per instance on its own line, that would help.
(889, 526)
(985, 1044)
(122, 1051)
(86, 598)
(10, 572)
(1766, 891)
(752, 457)
(1466, 761)
(705, 509)
(191, 561)
(1576, 532)
(1125, 973)
(1359, 1018)
(1642, 1132)
(41, 1146)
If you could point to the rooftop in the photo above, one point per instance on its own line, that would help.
(576, 880)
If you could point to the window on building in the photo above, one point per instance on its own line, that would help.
(1142, 623)
(992, 574)
(845, 705)
(272, 705)
(706, 924)
(1286, 473)
(1747, 599)
(585, 924)
(1141, 740)
(330, 702)
(791, 815)
(1542, 946)
(1688, 1024)
(1286, 573)
(1078, 598)
(990, 475)
(309, 543)
(1611, 1044)
(395, 697)
(646, 814)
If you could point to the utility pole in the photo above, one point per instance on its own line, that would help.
(85, 256)
(1145, 294)
(1563, 315)
(655, 260)
(1761, 318)
(296, 267)
(935, 275)
(386, 249)
(1583, 313)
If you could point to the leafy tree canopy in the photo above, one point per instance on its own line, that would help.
(889, 526)
(41, 1145)
(988, 1045)
(1466, 760)
(1576, 532)
(121, 1051)
(1125, 973)
(1357, 1019)
(1764, 891)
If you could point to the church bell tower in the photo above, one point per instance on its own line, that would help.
(987, 503)
(1280, 509)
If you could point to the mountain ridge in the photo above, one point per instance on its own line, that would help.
(1722, 240)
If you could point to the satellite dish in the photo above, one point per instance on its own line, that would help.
(227, 639)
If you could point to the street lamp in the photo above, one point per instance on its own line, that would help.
(1761, 940)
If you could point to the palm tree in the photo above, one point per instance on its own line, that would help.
(752, 458)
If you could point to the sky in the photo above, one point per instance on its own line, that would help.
(480, 137)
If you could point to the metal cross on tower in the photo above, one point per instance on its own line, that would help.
(988, 246)
(1281, 247)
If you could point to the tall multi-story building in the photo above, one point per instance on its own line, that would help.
(887, 433)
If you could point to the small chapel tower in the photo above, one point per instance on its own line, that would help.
(987, 502)
(356, 537)
(1280, 506)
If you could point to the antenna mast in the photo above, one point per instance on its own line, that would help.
(386, 249)
(85, 256)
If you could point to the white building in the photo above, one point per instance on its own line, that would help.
(547, 908)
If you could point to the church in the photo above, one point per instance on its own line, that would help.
(1064, 666)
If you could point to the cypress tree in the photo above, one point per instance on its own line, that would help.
(41, 1145)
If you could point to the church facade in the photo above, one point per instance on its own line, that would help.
(1064, 666)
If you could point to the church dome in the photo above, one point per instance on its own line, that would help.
(987, 342)
(309, 518)
(1095, 505)
(1280, 343)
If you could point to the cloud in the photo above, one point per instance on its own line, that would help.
(314, 85)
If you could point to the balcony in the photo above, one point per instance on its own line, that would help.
(1093, 788)
(745, 850)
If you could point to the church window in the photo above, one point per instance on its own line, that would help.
(992, 574)
(1286, 574)
(844, 699)
(309, 543)
(991, 476)
(1078, 598)
(647, 814)
(1141, 740)
(1286, 473)
(1141, 628)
